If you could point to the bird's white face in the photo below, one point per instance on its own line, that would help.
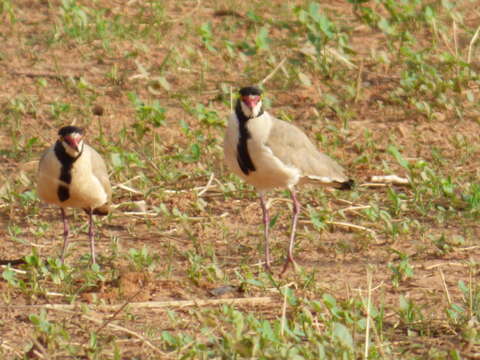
(73, 144)
(251, 105)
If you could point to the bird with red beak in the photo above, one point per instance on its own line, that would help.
(269, 153)
(71, 174)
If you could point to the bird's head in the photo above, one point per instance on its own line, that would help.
(251, 101)
(71, 138)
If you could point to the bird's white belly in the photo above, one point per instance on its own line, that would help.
(88, 193)
(269, 172)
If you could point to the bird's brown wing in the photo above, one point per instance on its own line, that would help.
(289, 144)
(99, 170)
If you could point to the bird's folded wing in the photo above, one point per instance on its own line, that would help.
(290, 145)
(99, 170)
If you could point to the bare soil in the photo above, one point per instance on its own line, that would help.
(338, 256)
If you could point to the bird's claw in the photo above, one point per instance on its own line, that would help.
(287, 263)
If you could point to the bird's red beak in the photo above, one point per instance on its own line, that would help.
(73, 141)
(251, 100)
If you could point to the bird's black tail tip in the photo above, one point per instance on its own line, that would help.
(347, 185)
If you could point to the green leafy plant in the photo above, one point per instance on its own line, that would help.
(402, 271)
(50, 335)
(7, 10)
(142, 259)
(207, 37)
(148, 115)
(75, 19)
(321, 30)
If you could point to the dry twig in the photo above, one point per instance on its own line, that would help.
(156, 304)
(390, 179)
(49, 75)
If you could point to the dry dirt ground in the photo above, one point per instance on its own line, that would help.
(217, 226)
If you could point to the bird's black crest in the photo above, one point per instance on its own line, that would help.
(67, 130)
(250, 90)
(243, 156)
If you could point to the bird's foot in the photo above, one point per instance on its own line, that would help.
(268, 263)
(287, 263)
(268, 266)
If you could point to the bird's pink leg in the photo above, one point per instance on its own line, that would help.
(296, 212)
(266, 223)
(90, 235)
(66, 232)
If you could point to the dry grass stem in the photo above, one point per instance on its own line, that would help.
(128, 188)
(354, 208)
(358, 87)
(471, 44)
(280, 64)
(444, 283)
(10, 349)
(430, 267)
(205, 189)
(369, 304)
(336, 55)
(352, 226)
(284, 312)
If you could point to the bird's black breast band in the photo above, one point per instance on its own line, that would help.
(66, 170)
(243, 156)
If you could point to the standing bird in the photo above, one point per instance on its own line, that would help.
(270, 153)
(73, 174)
